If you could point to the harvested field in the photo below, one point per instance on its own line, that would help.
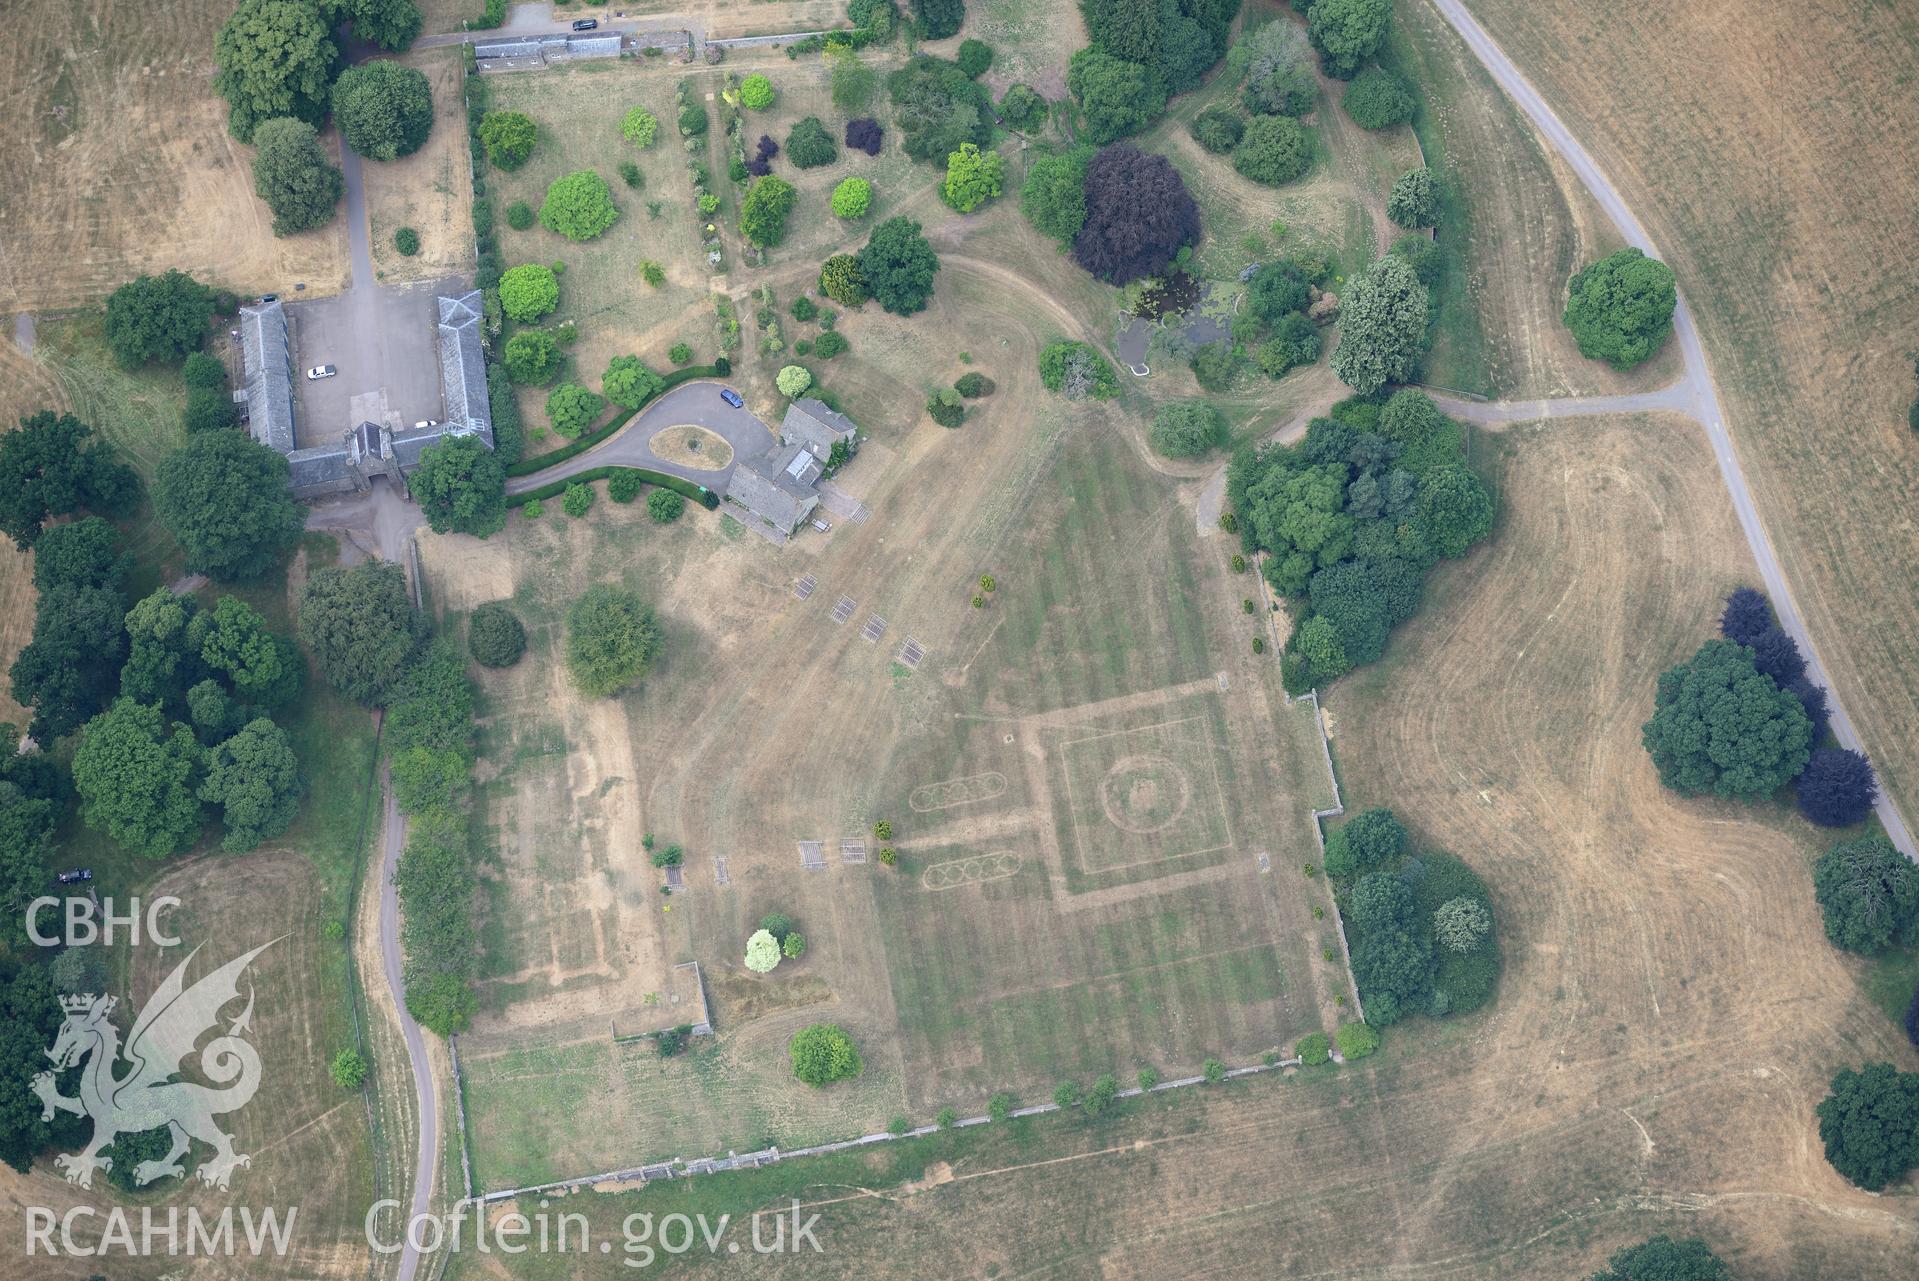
(1771, 154)
(1667, 1018)
(120, 161)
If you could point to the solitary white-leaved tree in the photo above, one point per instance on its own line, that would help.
(762, 952)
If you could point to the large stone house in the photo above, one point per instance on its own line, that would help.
(323, 464)
(780, 488)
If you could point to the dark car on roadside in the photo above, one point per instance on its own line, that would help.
(585, 24)
(732, 398)
(76, 875)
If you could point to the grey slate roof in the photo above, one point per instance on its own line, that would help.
(319, 466)
(408, 445)
(463, 366)
(810, 422)
(762, 486)
(267, 363)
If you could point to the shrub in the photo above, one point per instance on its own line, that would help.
(853, 82)
(974, 385)
(823, 1054)
(348, 1069)
(1279, 79)
(1868, 894)
(888, 856)
(809, 145)
(1066, 1094)
(1101, 1095)
(208, 409)
(1139, 215)
(1053, 196)
(1217, 365)
(1378, 99)
(533, 509)
(1314, 1049)
(1414, 200)
(1218, 129)
(864, 135)
(579, 206)
(764, 211)
(529, 292)
(1147, 1078)
(531, 357)
(1214, 1071)
(883, 829)
(1295, 343)
(852, 198)
(1719, 725)
(577, 500)
(508, 137)
(756, 92)
(630, 175)
(519, 215)
(829, 345)
(1462, 924)
(946, 408)
(624, 486)
(1188, 429)
(974, 57)
(1661, 1258)
(664, 506)
(640, 126)
(972, 177)
(1000, 1106)
(793, 380)
(762, 952)
(1620, 308)
(1273, 150)
(495, 636)
(1837, 788)
(629, 384)
(939, 19)
(679, 353)
(202, 372)
(1355, 1041)
(945, 1117)
(1076, 371)
(841, 280)
(793, 946)
(571, 409)
(652, 273)
(1022, 108)
(1364, 844)
(693, 119)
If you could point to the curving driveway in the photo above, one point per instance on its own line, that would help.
(1694, 394)
(698, 403)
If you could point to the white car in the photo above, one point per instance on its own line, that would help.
(321, 371)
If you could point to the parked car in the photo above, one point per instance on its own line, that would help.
(585, 24)
(321, 371)
(76, 875)
(732, 398)
(269, 298)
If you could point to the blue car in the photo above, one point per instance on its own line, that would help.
(732, 398)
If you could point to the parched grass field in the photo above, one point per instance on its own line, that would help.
(119, 161)
(1771, 154)
(1080, 887)
(1666, 1021)
(429, 190)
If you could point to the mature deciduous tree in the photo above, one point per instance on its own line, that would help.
(1869, 1123)
(361, 628)
(1139, 215)
(531, 357)
(611, 640)
(809, 145)
(255, 779)
(292, 174)
(629, 383)
(897, 266)
(276, 59)
(384, 110)
(1187, 429)
(1414, 199)
(161, 318)
(1378, 99)
(495, 635)
(1868, 893)
(579, 206)
(262, 667)
(1620, 308)
(136, 775)
(1347, 32)
(823, 1053)
(1382, 323)
(1837, 788)
(571, 409)
(529, 292)
(1053, 197)
(81, 553)
(70, 669)
(224, 497)
(937, 107)
(1116, 98)
(1662, 1258)
(1721, 726)
(390, 24)
(460, 485)
(764, 210)
(1273, 150)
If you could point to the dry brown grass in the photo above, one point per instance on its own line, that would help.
(430, 190)
(1666, 1022)
(119, 161)
(1770, 149)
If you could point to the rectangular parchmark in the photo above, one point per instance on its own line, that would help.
(675, 877)
(719, 870)
(911, 653)
(852, 849)
(844, 610)
(874, 629)
(805, 586)
(810, 855)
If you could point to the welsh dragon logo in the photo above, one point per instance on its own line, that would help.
(149, 1096)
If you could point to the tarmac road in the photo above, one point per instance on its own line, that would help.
(1694, 393)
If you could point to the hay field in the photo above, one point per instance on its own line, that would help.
(120, 161)
(430, 190)
(1151, 939)
(1666, 1021)
(1771, 152)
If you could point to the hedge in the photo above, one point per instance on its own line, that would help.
(552, 489)
(528, 466)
